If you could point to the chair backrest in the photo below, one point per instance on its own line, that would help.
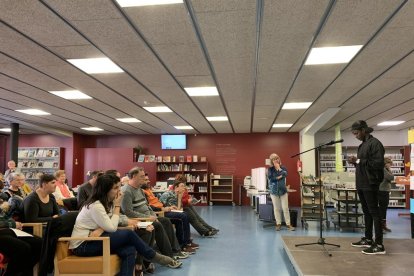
(62, 250)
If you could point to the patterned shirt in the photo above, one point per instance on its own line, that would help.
(169, 199)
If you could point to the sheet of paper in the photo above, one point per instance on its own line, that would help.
(177, 211)
(144, 224)
(20, 233)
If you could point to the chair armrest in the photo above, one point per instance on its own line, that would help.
(37, 227)
(160, 214)
(83, 238)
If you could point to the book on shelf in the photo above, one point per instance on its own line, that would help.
(181, 158)
(166, 158)
(151, 158)
(31, 153)
(203, 159)
(195, 158)
(173, 159)
(189, 158)
(146, 158)
(141, 158)
(159, 158)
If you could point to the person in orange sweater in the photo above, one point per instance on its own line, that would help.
(179, 219)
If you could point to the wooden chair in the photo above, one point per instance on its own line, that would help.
(67, 264)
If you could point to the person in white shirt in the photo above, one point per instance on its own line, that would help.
(100, 217)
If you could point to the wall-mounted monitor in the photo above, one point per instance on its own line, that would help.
(173, 141)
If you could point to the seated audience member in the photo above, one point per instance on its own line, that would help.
(100, 216)
(3, 196)
(16, 181)
(196, 220)
(114, 172)
(85, 190)
(12, 169)
(180, 220)
(134, 205)
(64, 196)
(23, 252)
(41, 206)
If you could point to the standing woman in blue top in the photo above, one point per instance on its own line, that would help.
(276, 176)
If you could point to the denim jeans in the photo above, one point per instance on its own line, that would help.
(124, 243)
(182, 226)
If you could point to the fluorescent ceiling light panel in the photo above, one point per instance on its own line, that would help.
(92, 128)
(183, 127)
(140, 3)
(303, 105)
(282, 125)
(201, 91)
(129, 120)
(96, 65)
(5, 129)
(217, 118)
(33, 111)
(391, 123)
(332, 55)
(157, 109)
(71, 94)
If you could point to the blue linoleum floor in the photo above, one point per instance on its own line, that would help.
(244, 247)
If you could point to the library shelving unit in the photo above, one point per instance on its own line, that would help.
(311, 201)
(348, 213)
(34, 161)
(397, 197)
(221, 189)
(196, 174)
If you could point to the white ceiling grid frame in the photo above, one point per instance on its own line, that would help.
(355, 23)
(287, 26)
(229, 36)
(169, 32)
(104, 31)
(358, 73)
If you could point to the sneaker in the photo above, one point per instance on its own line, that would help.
(290, 228)
(175, 264)
(278, 227)
(181, 255)
(188, 250)
(364, 242)
(193, 245)
(375, 249)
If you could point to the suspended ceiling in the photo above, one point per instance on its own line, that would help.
(252, 51)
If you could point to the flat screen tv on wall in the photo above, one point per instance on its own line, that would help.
(173, 141)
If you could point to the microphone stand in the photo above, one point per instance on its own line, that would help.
(321, 240)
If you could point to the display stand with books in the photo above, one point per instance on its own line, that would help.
(195, 172)
(40, 160)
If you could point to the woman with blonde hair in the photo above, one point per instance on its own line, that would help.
(276, 176)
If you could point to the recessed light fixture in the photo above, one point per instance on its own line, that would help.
(217, 118)
(33, 111)
(201, 91)
(138, 3)
(71, 94)
(183, 127)
(282, 125)
(5, 129)
(303, 105)
(129, 120)
(96, 65)
(157, 109)
(391, 123)
(332, 55)
(92, 128)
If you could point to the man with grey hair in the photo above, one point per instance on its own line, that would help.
(12, 169)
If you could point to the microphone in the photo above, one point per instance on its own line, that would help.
(334, 142)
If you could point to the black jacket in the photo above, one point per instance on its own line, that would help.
(370, 168)
(58, 227)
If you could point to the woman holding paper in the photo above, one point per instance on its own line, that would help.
(101, 212)
(16, 247)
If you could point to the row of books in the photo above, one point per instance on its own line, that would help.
(167, 158)
(36, 163)
(34, 174)
(37, 152)
(196, 178)
(198, 189)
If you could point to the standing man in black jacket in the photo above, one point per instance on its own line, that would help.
(369, 174)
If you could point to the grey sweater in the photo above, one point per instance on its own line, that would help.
(134, 203)
(385, 185)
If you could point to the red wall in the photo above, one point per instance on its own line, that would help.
(234, 154)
